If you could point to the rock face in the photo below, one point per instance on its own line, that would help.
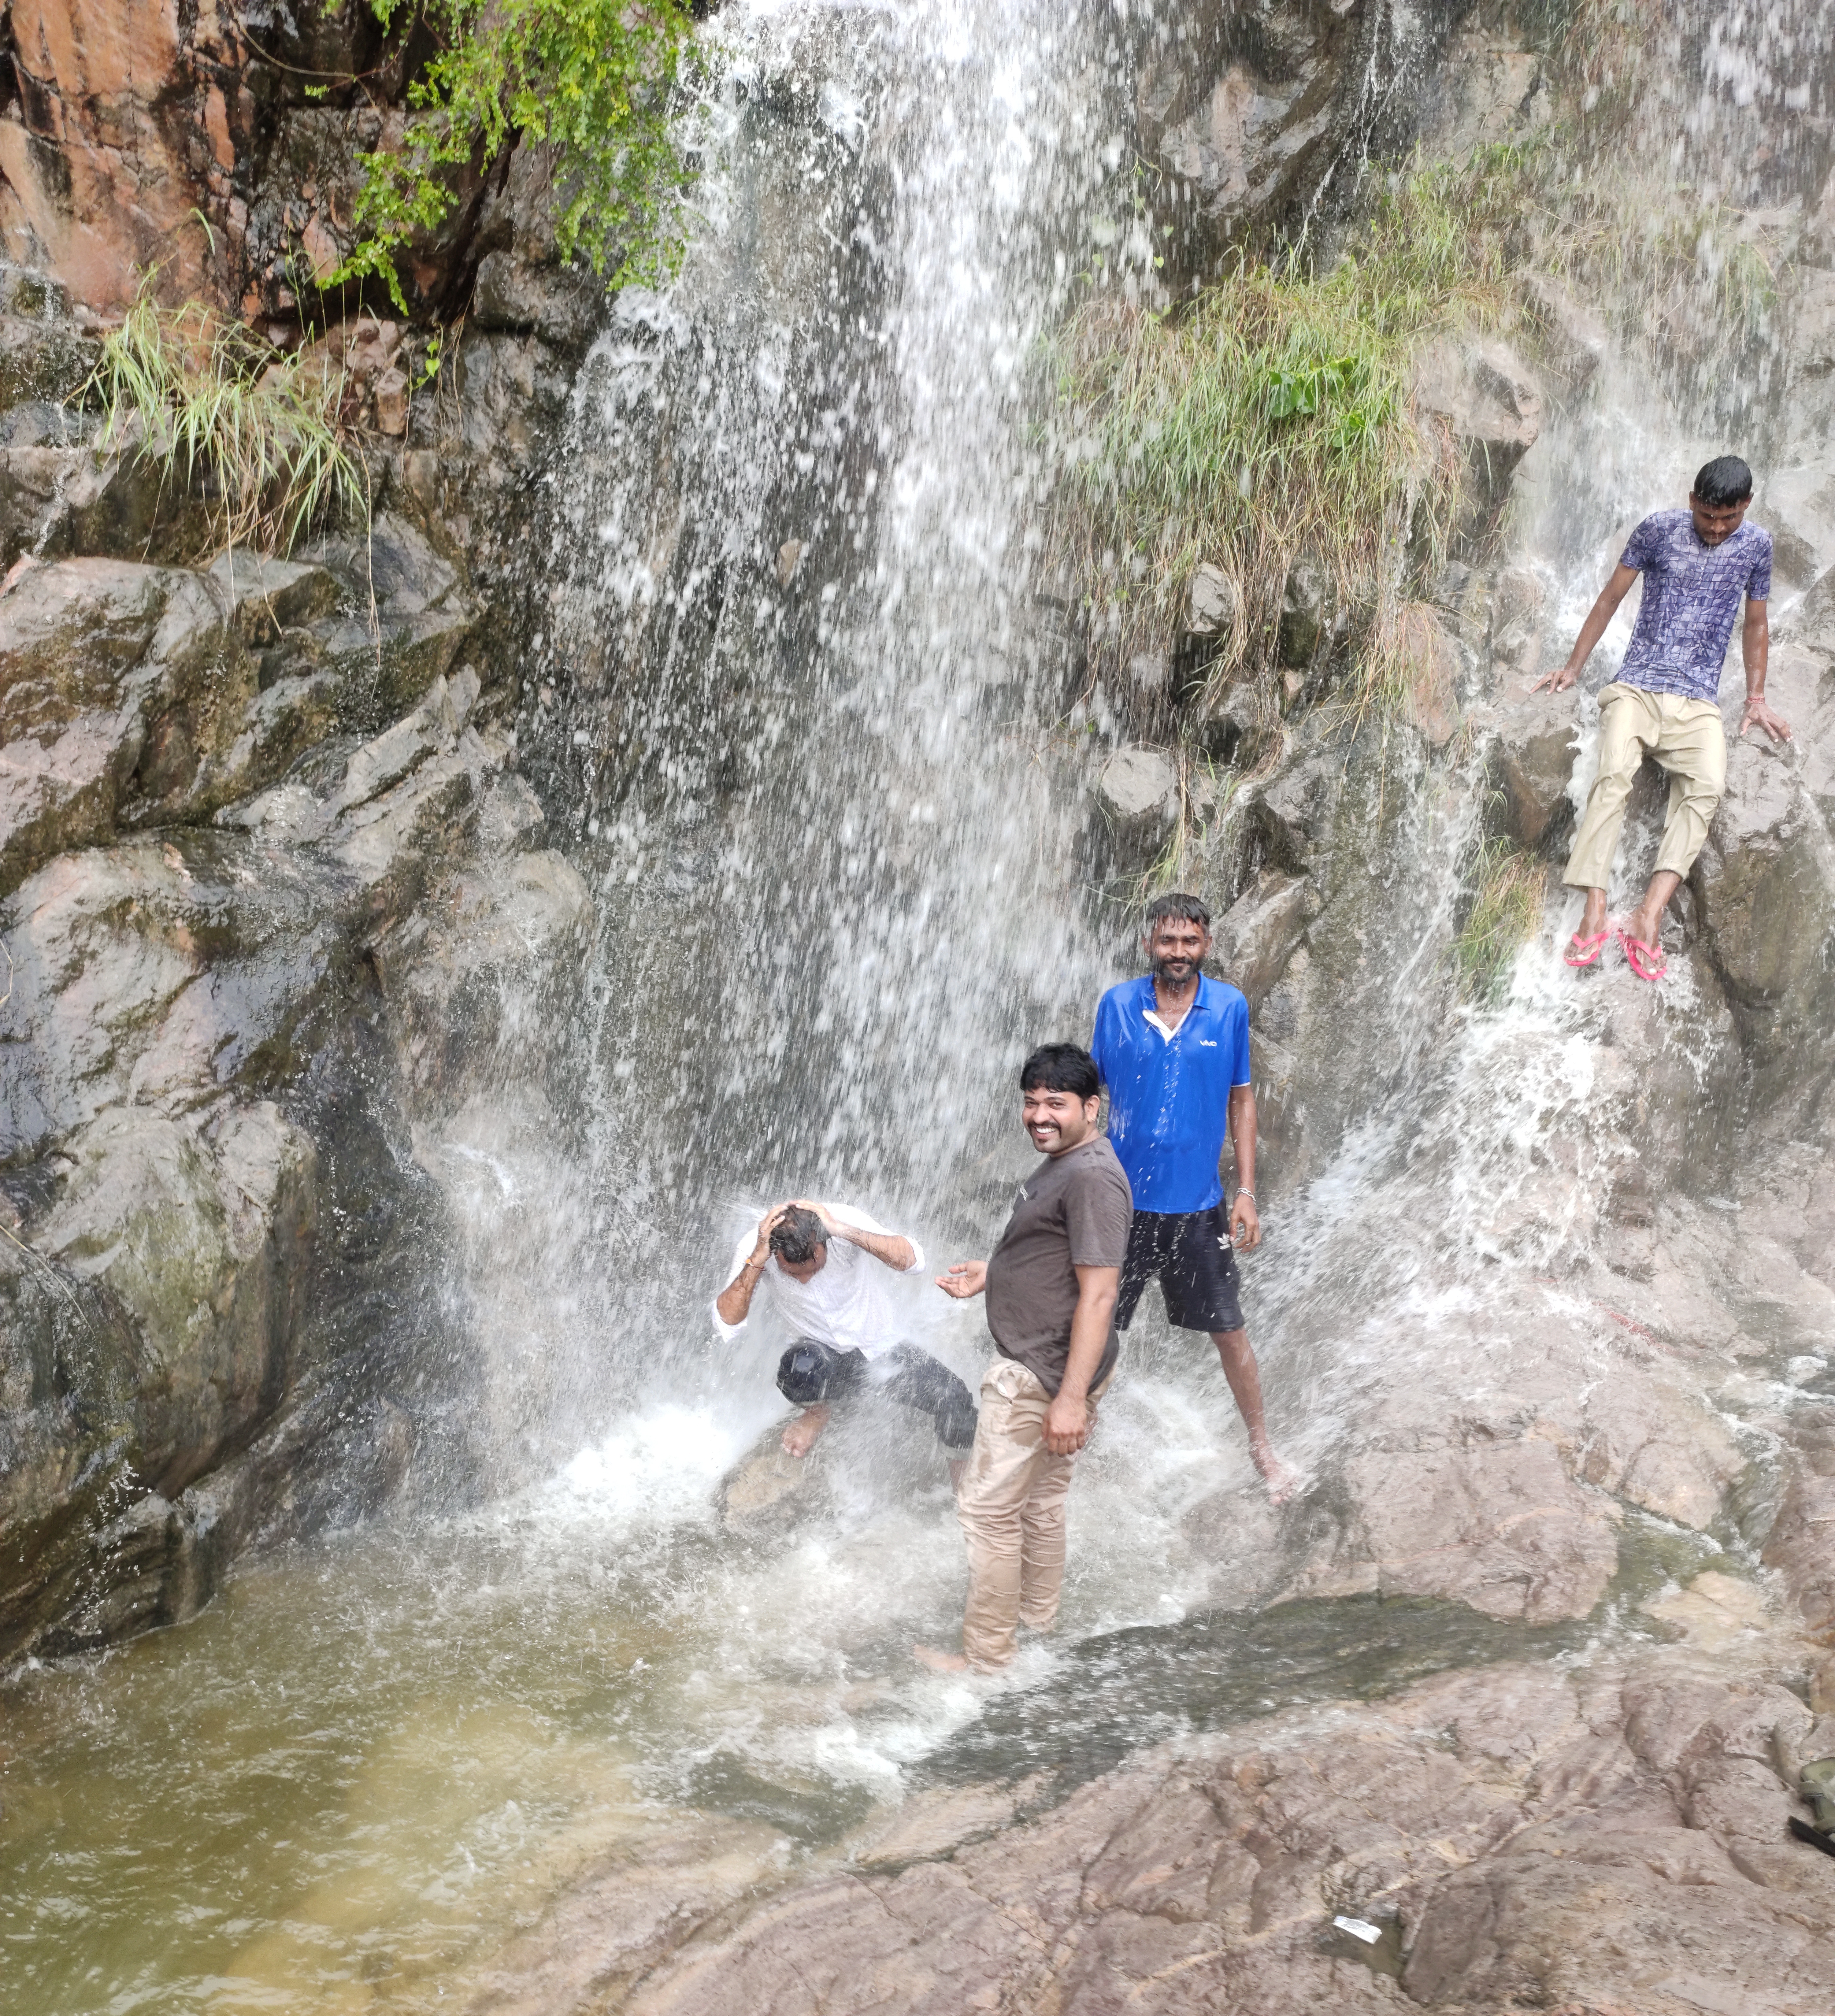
(1608, 1840)
(271, 897)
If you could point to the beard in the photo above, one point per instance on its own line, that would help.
(1176, 970)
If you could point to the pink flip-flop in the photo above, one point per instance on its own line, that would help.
(1588, 948)
(1647, 961)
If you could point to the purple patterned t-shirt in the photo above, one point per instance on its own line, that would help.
(1691, 596)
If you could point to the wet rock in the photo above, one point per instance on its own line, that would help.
(1292, 815)
(1519, 1831)
(424, 617)
(1532, 764)
(491, 964)
(557, 303)
(1233, 721)
(1490, 401)
(1766, 884)
(768, 1491)
(665, 1880)
(1573, 341)
(1260, 932)
(1797, 508)
(1211, 602)
(1138, 789)
(1433, 704)
(1500, 1526)
(1305, 615)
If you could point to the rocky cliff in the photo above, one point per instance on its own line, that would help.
(267, 869)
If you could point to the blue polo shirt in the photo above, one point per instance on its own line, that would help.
(1169, 1096)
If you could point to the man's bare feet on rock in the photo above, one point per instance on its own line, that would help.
(800, 1436)
(1282, 1482)
(939, 1662)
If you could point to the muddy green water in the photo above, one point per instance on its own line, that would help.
(379, 1759)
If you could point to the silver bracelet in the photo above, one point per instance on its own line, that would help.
(1248, 1194)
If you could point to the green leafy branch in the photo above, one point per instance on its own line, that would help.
(592, 79)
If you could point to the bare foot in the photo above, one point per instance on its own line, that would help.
(800, 1436)
(939, 1662)
(1282, 1482)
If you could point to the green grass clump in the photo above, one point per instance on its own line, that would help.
(592, 79)
(1271, 419)
(1505, 911)
(216, 407)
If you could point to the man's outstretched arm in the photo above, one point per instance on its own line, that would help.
(1602, 613)
(1245, 1219)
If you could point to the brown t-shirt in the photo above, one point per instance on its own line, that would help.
(1073, 1210)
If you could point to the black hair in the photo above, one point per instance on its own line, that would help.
(1188, 910)
(1724, 480)
(1061, 1067)
(798, 1236)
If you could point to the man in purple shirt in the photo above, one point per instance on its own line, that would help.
(1697, 565)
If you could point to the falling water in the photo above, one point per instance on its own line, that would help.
(820, 712)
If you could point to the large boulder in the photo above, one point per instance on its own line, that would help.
(1490, 401)
(1138, 789)
(1766, 885)
(1532, 765)
(1261, 931)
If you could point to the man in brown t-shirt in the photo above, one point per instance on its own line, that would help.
(1051, 1288)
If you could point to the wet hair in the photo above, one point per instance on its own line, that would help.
(1724, 480)
(798, 1236)
(1061, 1067)
(1187, 909)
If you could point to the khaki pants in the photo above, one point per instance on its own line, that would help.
(1012, 1508)
(1686, 737)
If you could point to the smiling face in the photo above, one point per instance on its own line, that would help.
(1058, 1121)
(1177, 947)
(1716, 523)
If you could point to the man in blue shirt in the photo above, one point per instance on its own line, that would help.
(1697, 565)
(1173, 1050)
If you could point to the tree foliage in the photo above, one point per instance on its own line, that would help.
(592, 78)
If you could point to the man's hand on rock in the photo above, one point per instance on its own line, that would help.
(1758, 713)
(1558, 680)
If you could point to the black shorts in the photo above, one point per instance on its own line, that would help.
(1191, 1253)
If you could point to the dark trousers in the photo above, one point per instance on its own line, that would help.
(810, 1373)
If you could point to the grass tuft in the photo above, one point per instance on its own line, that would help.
(1505, 913)
(218, 408)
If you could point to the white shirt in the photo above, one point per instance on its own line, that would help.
(844, 1305)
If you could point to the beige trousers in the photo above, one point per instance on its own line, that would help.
(1686, 737)
(1011, 1505)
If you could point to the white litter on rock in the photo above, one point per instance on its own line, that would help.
(1359, 1928)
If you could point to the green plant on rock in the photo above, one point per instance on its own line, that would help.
(1506, 907)
(216, 407)
(1271, 419)
(592, 79)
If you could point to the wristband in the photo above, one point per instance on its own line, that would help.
(1248, 1194)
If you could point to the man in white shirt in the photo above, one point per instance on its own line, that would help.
(817, 1267)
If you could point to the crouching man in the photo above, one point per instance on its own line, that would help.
(1698, 564)
(818, 1268)
(1051, 1286)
